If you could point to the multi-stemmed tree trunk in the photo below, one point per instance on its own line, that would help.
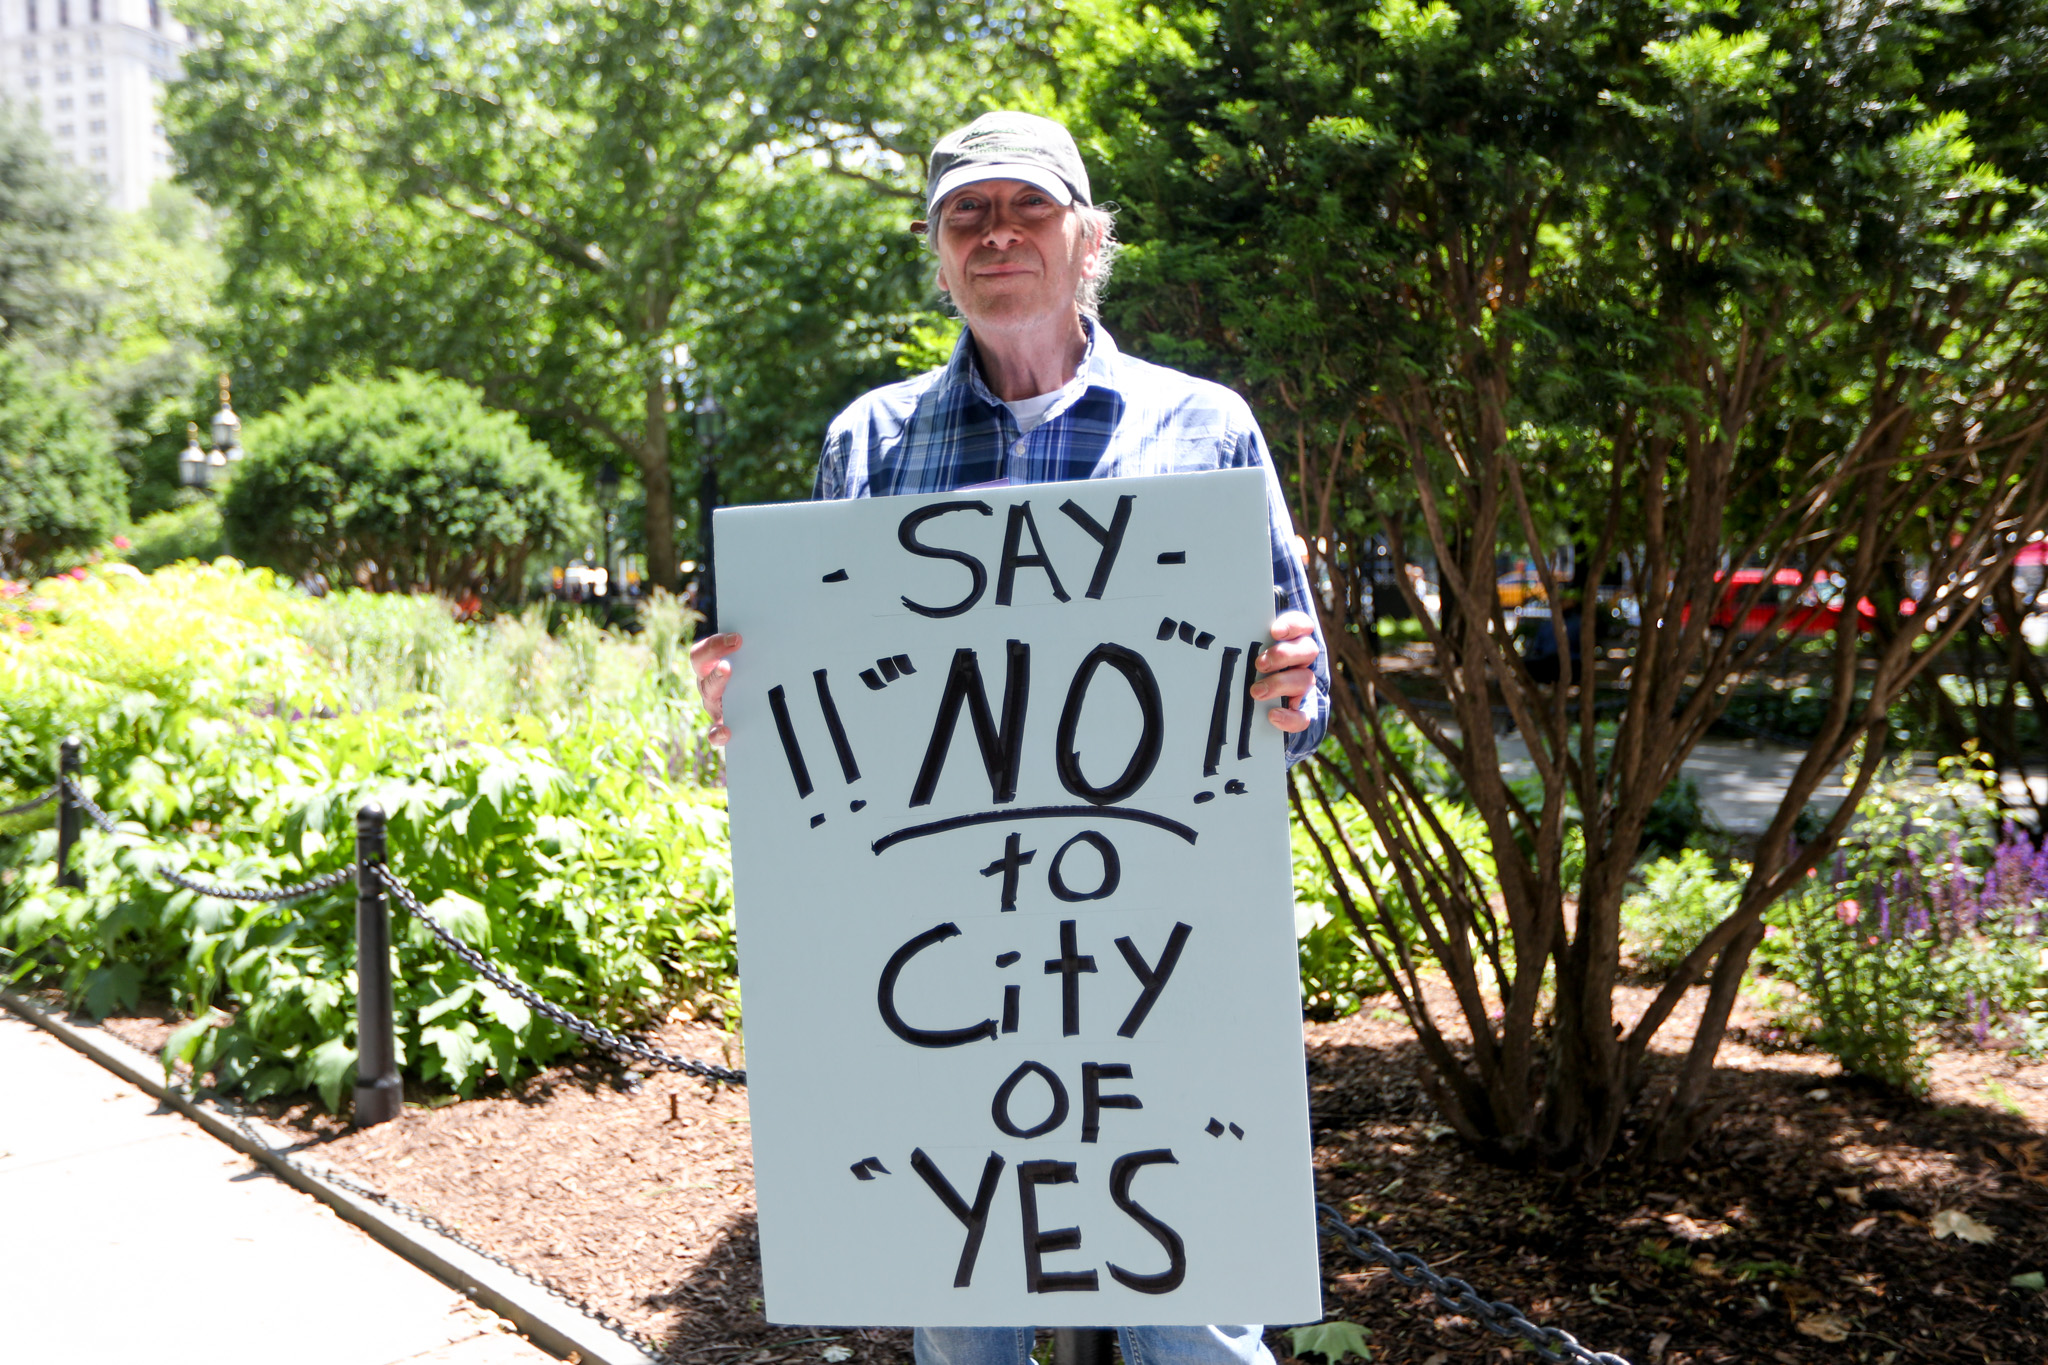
(1683, 293)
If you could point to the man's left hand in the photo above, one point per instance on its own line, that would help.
(1289, 668)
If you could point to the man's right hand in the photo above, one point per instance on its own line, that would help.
(710, 661)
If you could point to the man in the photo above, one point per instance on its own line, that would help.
(1037, 392)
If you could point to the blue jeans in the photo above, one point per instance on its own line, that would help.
(1140, 1345)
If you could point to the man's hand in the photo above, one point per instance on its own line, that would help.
(709, 661)
(1289, 668)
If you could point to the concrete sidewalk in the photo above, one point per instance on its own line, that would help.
(128, 1233)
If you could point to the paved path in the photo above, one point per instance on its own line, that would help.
(1741, 781)
(129, 1234)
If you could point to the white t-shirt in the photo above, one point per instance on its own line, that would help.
(1030, 412)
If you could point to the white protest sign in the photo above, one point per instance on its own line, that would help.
(1011, 867)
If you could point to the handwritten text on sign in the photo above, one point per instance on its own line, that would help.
(1011, 867)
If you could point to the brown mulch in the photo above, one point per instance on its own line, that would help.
(1801, 1230)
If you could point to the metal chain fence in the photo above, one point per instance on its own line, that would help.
(328, 882)
(622, 1043)
(1454, 1295)
(33, 803)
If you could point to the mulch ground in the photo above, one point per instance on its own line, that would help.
(1803, 1228)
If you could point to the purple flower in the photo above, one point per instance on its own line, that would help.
(1884, 916)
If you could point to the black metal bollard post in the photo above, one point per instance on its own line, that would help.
(378, 1095)
(1083, 1346)
(67, 812)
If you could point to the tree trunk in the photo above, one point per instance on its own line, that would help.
(657, 488)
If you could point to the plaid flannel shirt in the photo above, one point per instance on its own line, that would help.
(1119, 416)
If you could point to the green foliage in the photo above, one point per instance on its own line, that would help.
(1338, 970)
(1333, 1340)
(61, 491)
(50, 224)
(1679, 902)
(404, 483)
(232, 747)
(547, 199)
(189, 531)
(1929, 923)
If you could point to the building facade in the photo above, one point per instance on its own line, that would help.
(93, 71)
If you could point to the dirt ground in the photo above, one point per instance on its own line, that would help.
(1803, 1229)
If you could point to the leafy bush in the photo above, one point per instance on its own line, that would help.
(233, 747)
(1680, 901)
(1337, 968)
(192, 531)
(61, 489)
(404, 483)
(1931, 921)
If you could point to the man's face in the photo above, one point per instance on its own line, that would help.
(1010, 254)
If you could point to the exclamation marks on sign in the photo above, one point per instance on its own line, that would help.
(792, 750)
(891, 668)
(1228, 684)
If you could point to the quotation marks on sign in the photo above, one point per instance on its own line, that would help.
(1189, 633)
(886, 671)
(868, 1167)
(1216, 1128)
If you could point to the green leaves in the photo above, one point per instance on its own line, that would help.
(538, 819)
(1333, 1341)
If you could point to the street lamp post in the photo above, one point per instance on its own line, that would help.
(710, 430)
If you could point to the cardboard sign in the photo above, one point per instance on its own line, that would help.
(1010, 861)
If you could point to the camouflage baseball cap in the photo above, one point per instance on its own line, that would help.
(1006, 145)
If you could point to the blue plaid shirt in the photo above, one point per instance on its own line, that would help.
(1119, 416)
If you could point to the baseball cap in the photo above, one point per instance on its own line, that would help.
(1006, 145)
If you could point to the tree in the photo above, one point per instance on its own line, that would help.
(525, 194)
(399, 484)
(50, 223)
(1682, 286)
(60, 487)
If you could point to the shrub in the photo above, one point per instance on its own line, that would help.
(61, 489)
(1930, 921)
(190, 532)
(404, 483)
(1680, 901)
(568, 843)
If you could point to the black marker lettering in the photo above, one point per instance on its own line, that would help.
(1015, 856)
(1112, 869)
(1093, 1101)
(902, 662)
(835, 729)
(1110, 540)
(1037, 1279)
(1002, 747)
(1070, 966)
(888, 667)
(1244, 717)
(1006, 577)
(1166, 625)
(1120, 1177)
(906, 534)
(885, 997)
(1013, 997)
(797, 767)
(975, 1217)
(999, 1108)
(1152, 979)
(1219, 712)
(1144, 755)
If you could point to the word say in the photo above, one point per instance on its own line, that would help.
(1022, 1006)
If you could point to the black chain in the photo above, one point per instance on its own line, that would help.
(1502, 1319)
(25, 807)
(329, 1175)
(228, 893)
(624, 1044)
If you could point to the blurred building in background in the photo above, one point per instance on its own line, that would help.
(93, 70)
